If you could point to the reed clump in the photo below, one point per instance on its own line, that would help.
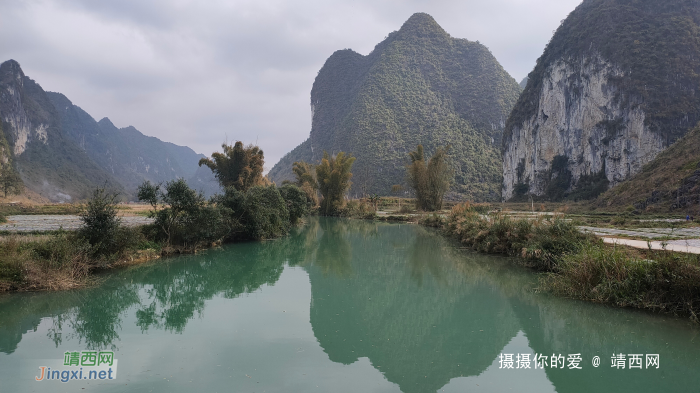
(655, 280)
(581, 266)
(539, 242)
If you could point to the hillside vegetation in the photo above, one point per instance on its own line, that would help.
(418, 86)
(671, 182)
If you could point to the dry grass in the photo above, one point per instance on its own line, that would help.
(659, 281)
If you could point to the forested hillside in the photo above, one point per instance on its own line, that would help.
(418, 86)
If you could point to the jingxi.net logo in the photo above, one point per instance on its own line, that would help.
(85, 365)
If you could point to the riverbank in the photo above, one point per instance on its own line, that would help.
(61, 260)
(582, 266)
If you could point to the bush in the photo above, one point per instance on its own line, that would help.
(356, 209)
(540, 242)
(184, 218)
(662, 281)
(259, 213)
(100, 222)
(433, 220)
(298, 204)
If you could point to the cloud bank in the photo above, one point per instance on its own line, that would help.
(199, 73)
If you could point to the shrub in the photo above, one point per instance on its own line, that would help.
(100, 222)
(539, 242)
(298, 203)
(406, 209)
(259, 213)
(662, 281)
(184, 218)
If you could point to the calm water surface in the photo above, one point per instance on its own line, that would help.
(339, 306)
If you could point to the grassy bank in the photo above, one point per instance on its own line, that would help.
(65, 260)
(183, 222)
(580, 266)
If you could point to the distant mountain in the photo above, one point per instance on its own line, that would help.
(62, 153)
(615, 86)
(48, 161)
(523, 83)
(418, 86)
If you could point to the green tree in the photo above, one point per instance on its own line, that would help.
(333, 174)
(238, 166)
(100, 222)
(298, 203)
(306, 180)
(430, 180)
(185, 218)
(259, 213)
(10, 182)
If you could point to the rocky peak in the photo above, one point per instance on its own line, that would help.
(11, 72)
(106, 124)
(422, 25)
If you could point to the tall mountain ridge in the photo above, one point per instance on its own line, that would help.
(62, 153)
(617, 84)
(418, 86)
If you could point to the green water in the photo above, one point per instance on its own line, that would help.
(338, 306)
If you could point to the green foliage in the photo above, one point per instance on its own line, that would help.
(238, 166)
(590, 186)
(184, 217)
(57, 169)
(259, 213)
(432, 180)
(100, 222)
(559, 179)
(306, 180)
(298, 203)
(10, 182)
(540, 243)
(655, 43)
(667, 182)
(662, 281)
(333, 174)
(418, 86)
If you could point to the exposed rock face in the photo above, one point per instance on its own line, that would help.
(615, 86)
(581, 118)
(14, 113)
(48, 162)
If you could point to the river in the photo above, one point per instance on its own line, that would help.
(338, 306)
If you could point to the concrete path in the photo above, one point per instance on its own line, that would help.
(650, 233)
(41, 223)
(687, 246)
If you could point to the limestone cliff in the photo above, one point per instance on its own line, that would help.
(48, 162)
(614, 87)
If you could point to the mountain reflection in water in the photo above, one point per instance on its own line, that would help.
(423, 312)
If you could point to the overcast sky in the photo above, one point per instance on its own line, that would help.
(197, 73)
